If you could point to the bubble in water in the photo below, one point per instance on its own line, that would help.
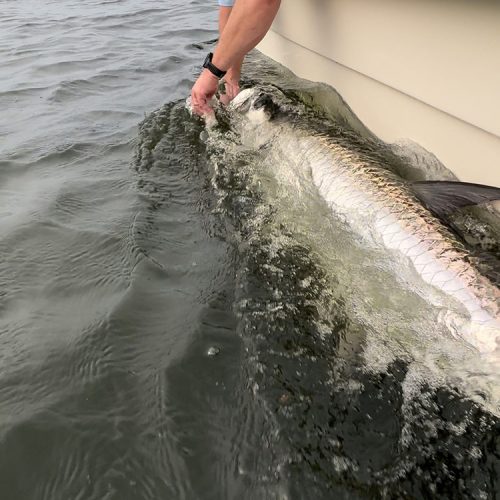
(213, 351)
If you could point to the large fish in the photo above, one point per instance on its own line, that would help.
(403, 217)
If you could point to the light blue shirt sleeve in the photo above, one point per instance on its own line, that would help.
(226, 3)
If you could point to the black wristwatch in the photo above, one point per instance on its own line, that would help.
(212, 68)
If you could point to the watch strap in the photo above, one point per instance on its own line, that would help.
(212, 68)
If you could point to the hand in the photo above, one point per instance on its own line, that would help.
(203, 90)
(231, 86)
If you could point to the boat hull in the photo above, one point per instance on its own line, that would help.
(428, 71)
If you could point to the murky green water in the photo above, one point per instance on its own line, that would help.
(166, 330)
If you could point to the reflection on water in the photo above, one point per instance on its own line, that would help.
(175, 321)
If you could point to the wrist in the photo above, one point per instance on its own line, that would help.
(217, 61)
(210, 66)
(208, 74)
(233, 73)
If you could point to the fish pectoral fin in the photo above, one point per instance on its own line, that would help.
(444, 197)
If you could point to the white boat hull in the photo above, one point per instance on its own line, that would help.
(423, 70)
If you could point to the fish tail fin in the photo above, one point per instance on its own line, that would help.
(444, 197)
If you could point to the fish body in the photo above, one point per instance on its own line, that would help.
(379, 205)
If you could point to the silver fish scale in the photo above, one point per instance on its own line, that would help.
(349, 181)
(348, 173)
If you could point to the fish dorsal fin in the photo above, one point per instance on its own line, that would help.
(444, 197)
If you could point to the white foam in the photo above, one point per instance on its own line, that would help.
(405, 318)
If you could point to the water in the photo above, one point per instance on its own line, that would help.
(167, 329)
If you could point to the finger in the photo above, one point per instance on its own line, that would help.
(232, 91)
(205, 108)
(200, 105)
(210, 119)
(194, 102)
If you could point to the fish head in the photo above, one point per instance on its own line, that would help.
(259, 105)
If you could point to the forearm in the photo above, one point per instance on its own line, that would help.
(224, 13)
(235, 70)
(243, 30)
(245, 26)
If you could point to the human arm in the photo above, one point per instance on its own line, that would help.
(247, 25)
(232, 78)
